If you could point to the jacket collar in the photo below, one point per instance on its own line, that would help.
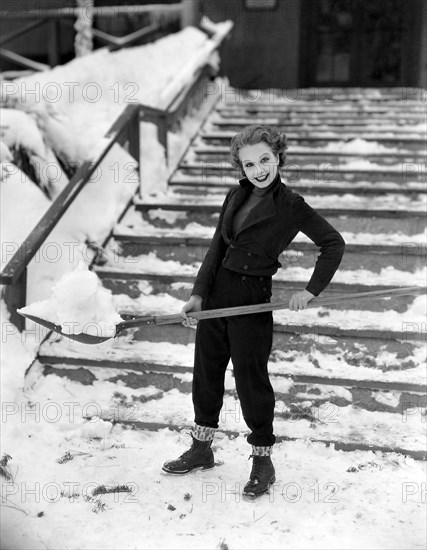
(263, 210)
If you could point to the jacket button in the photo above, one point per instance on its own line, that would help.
(231, 245)
(249, 253)
(245, 266)
(261, 278)
(265, 289)
(243, 278)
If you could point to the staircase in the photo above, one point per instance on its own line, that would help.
(352, 376)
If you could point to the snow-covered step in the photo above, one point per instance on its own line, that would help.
(357, 117)
(384, 221)
(213, 186)
(319, 126)
(331, 107)
(237, 123)
(143, 266)
(345, 427)
(411, 202)
(351, 107)
(193, 227)
(353, 171)
(316, 139)
(186, 239)
(136, 284)
(304, 394)
(290, 373)
(218, 122)
(331, 100)
(309, 155)
(388, 378)
(406, 255)
(405, 322)
(372, 364)
(199, 222)
(222, 152)
(391, 204)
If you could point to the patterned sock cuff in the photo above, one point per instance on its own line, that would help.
(262, 451)
(203, 433)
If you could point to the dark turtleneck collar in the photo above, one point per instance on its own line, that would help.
(245, 183)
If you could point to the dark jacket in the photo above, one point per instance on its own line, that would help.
(268, 230)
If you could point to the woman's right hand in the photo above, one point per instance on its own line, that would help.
(193, 304)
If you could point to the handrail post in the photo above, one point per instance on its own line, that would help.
(162, 133)
(160, 118)
(134, 137)
(15, 297)
(191, 13)
(53, 51)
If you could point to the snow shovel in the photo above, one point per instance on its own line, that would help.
(85, 338)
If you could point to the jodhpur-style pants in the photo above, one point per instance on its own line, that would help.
(247, 340)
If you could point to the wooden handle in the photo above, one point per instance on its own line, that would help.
(258, 308)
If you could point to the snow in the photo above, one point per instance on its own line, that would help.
(388, 485)
(162, 303)
(153, 265)
(331, 169)
(79, 304)
(96, 87)
(323, 497)
(135, 224)
(99, 86)
(347, 201)
(356, 146)
(226, 180)
(20, 130)
(89, 218)
(348, 500)
(22, 200)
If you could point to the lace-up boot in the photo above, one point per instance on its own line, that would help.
(262, 474)
(199, 455)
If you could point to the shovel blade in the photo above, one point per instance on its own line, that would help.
(81, 337)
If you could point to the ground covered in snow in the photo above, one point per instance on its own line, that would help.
(322, 498)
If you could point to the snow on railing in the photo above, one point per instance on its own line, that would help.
(124, 131)
(171, 104)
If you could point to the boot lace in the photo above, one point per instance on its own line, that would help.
(256, 466)
(189, 451)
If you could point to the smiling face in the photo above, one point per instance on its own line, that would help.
(259, 163)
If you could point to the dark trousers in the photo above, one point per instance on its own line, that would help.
(247, 340)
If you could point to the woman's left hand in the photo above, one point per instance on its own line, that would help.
(299, 300)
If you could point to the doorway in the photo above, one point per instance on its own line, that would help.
(360, 43)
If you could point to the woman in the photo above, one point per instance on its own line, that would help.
(258, 220)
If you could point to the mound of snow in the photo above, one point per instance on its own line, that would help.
(79, 303)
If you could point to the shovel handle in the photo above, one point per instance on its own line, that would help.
(258, 308)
